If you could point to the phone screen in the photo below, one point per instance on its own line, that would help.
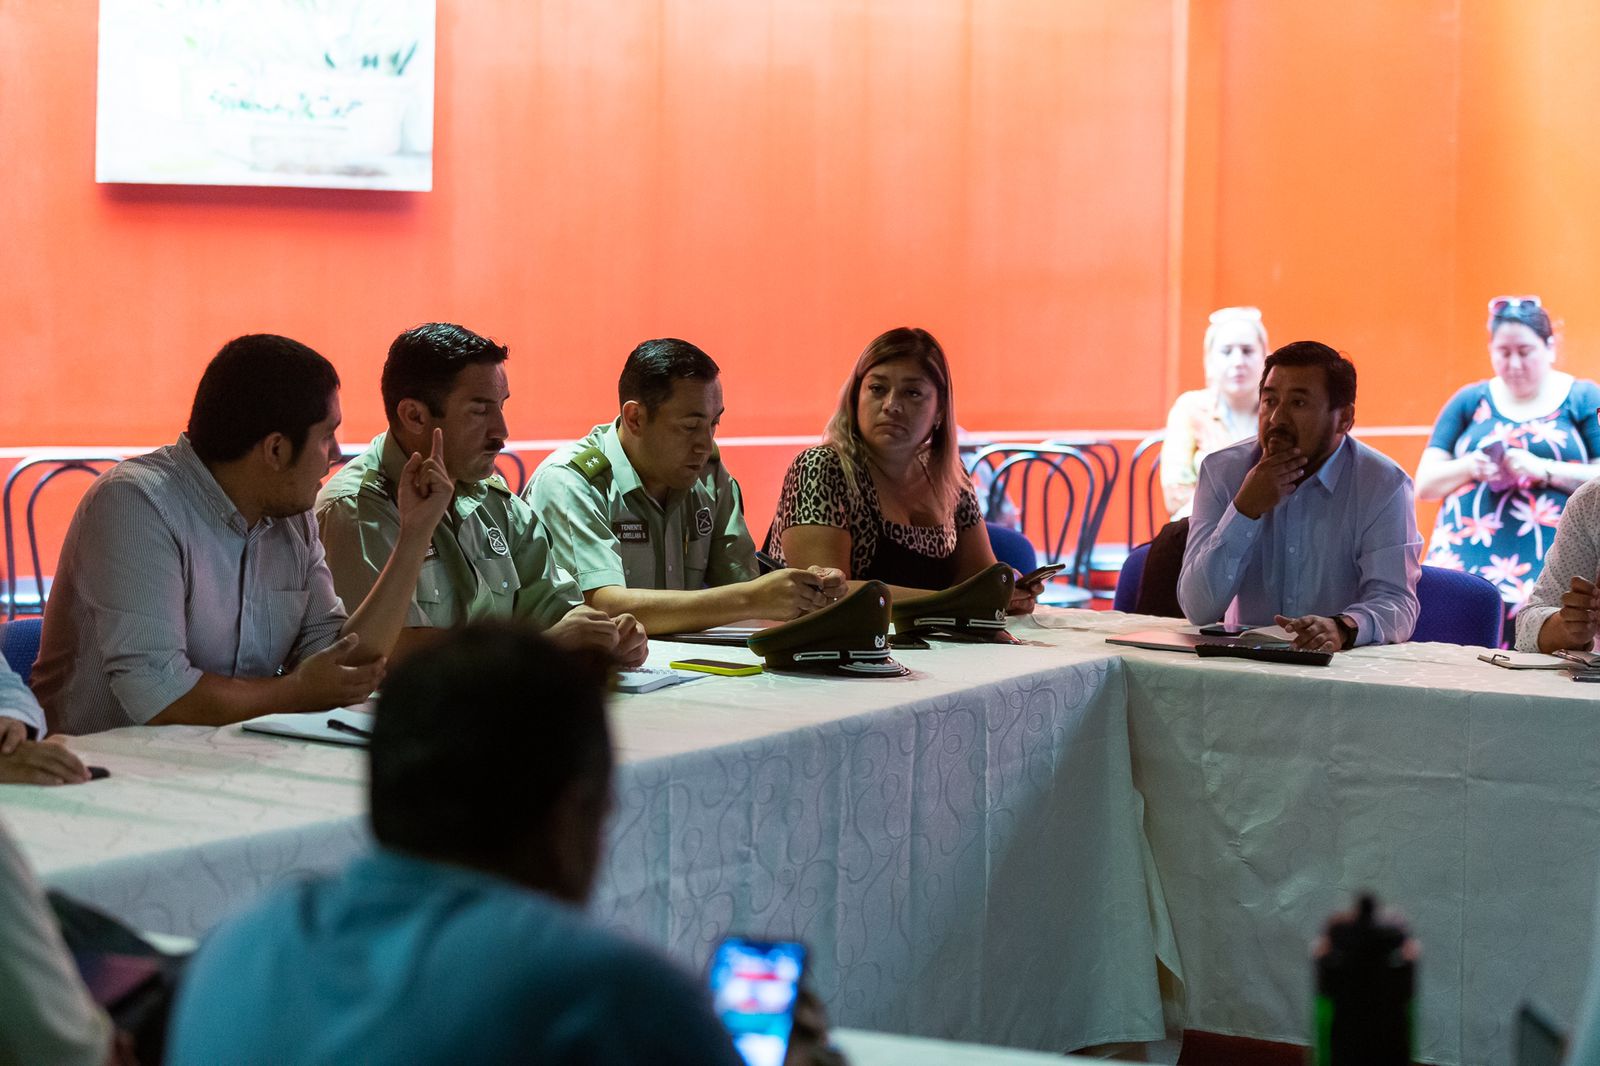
(753, 986)
(1223, 629)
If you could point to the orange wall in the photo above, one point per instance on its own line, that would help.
(1061, 191)
(775, 181)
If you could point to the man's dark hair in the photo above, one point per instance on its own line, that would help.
(257, 385)
(1338, 372)
(424, 360)
(478, 737)
(653, 366)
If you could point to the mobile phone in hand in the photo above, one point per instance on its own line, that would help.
(754, 985)
(1043, 573)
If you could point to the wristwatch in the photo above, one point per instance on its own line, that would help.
(1347, 631)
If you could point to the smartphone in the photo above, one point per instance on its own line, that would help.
(754, 984)
(716, 666)
(1043, 573)
(1223, 629)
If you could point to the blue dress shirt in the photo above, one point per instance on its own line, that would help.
(1344, 542)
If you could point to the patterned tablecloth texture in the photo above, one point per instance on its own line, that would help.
(990, 849)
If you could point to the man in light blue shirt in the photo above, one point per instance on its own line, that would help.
(1305, 525)
(462, 937)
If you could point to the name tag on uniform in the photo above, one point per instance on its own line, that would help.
(631, 532)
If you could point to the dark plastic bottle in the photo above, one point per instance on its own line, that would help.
(1366, 985)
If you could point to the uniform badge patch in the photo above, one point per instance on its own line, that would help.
(702, 522)
(497, 541)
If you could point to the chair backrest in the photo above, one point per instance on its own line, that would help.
(1144, 487)
(1012, 547)
(1054, 488)
(1126, 598)
(43, 469)
(1108, 458)
(19, 645)
(1455, 607)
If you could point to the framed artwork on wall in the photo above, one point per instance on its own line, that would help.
(313, 93)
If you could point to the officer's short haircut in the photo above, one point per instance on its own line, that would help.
(1338, 372)
(257, 385)
(424, 360)
(477, 737)
(653, 366)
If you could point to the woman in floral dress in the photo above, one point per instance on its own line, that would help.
(1507, 452)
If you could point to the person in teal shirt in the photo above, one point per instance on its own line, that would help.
(461, 938)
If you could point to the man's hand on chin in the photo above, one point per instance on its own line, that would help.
(1271, 480)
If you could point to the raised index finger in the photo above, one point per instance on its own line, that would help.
(438, 444)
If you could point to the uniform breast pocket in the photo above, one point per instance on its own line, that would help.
(286, 614)
(499, 574)
(695, 560)
(638, 563)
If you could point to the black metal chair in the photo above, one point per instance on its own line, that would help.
(45, 467)
(1055, 489)
(1144, 483)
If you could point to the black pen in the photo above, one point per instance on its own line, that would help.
(346, 727)
(768, 561)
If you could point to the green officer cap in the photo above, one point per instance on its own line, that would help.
(973, 611)
(849, 636)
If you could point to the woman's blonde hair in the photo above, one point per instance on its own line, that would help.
(940, 458)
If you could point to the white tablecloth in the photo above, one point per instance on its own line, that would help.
(960, 848)
(1465, 795)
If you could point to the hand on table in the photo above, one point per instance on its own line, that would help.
(832, 581)
(41, 762)
(330, 679)
(633, 646)
(1024, 598)
(789, 593)
(1313, 632)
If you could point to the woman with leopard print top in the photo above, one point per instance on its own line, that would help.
(884, 497)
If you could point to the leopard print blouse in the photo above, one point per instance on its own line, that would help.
(815, 493)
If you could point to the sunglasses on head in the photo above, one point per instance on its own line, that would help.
(1511, 307)
(1240, 314)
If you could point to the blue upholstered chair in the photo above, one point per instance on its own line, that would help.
(1456, 607)
(1126, 598)
(19, 643)
(1012, 547)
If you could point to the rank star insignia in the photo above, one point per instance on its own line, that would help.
(497, 541)
(702, 522)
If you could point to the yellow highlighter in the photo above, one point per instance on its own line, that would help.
(714, 666)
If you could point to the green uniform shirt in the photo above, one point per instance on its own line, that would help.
(605, 529)
(489, 557)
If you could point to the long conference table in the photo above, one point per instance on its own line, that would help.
(1049, 846)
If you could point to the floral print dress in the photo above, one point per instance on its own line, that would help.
(1502, 532)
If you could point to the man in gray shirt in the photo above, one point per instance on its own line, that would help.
(192, 587)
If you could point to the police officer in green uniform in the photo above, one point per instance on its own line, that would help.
(489, 557)
(646, 518)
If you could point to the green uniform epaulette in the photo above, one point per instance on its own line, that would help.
(378, 481)
(498, 484)
(591, 463)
